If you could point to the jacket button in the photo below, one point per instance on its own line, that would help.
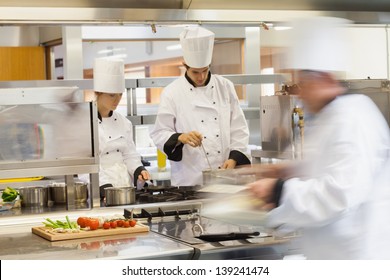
(207, 153)
(202, 120)
(109, 137)
(215, 118)
(219, 152)
(204, 137)
(107, 153)
(214, 102)
(114, 119)
(217, 135)
(117, 150)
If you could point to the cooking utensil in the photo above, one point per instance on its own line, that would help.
(227, 236)
(58, 192)
(119, 196)
(205, 154)
(34, 196)
(80, 192)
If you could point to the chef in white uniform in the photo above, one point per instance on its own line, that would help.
(200, 109)
(120, 163)
(340, 200)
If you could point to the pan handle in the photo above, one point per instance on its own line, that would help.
(227, 236)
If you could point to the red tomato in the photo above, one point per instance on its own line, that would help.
(81, 221)
(113, 224)
(126, 224)
(133, 223)
(93, 223)
(106, 225)
(119, 223)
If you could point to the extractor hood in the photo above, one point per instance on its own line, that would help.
(245, 12)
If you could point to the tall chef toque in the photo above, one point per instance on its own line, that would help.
(320, 44)
(109, 75)
(197, 44)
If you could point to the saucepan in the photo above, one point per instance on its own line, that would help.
(58, 192)
(119, 195)
(34, 196)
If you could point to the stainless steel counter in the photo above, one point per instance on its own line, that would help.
(18, 242)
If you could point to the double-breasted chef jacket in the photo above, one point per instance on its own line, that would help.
(214, 111)
(120, 163)
(342, 203)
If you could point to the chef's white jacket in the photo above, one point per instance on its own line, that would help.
(119, 159)
(340, 204)
(212, 110)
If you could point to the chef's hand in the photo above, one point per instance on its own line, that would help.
(229, 164)
(264, 190)
(144, 176)
(193, 138)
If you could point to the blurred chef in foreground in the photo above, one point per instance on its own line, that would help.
(340, 199)
(120, 163)
(200, 124)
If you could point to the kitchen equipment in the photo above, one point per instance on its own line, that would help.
(81, 192)
(217, 237)
(34, 196)
(210, 238)
(119, 196)
(58, 192)
(4, 206)
(57, 236)
(226, 176)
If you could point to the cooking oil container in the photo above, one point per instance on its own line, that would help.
(161, 161)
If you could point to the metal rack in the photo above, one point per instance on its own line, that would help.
(22, 153)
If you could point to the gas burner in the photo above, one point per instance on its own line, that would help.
(160, 197)
(154, 194)
(149, 214)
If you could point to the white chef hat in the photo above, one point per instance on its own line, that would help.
(197, 44)
(109, 75)
(320, 44)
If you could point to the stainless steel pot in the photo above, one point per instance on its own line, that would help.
(34, 196)
(80, 192)
(58, 192)
(119, 196)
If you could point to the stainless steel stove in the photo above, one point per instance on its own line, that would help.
(210, 238)
(155, 194)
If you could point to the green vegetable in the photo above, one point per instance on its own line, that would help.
(60, 224)
(9, 194)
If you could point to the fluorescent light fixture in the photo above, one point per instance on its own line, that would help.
(173, 47)
(278, 28)
(111, 50)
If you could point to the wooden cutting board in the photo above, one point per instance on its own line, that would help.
(57, 236)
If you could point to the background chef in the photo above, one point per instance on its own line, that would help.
(340, 197)
(200, 109)
(120, 163)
